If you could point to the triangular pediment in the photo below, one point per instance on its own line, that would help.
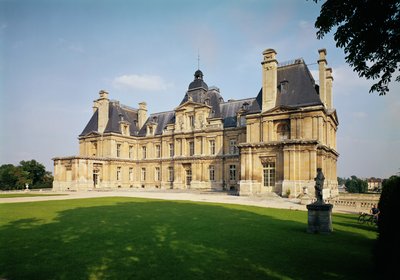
(190, 105)
(281, 109)
(91, 134)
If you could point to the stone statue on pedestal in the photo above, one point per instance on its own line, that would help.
(319, 185)
(319, 212)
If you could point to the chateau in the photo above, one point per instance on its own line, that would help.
(273, 142)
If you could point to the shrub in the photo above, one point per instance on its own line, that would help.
(387, 248)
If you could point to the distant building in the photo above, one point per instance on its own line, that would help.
(272, 142)
(374, 184)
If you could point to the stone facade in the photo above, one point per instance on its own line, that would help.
(272, 143)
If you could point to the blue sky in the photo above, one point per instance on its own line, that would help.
(56, 55)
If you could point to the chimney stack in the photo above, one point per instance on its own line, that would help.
(269, 78)
(322, 75)
(142, 114)
(328, 90)
(101, 105)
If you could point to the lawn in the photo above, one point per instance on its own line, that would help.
(130, 238)
(27, 194)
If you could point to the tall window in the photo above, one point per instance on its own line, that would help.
(269, 174)
(212, 147)
(118, 150)
(130, 151)
(191, 121)
(191, 148)
(212, 172)
(188, 176)
(144, 152)
(118, 173)
(157, 174)
(171, 149)
(143, 175)
(158, 151)
(232, 147)
(232, 172)
(131, 174)
(170, 173)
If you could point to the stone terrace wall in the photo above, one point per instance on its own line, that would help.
(360, 202)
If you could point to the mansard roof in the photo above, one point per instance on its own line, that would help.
(230, 110)
(116, 114)
(161, 120)
(296, 87)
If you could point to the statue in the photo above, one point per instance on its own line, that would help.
(319, 186)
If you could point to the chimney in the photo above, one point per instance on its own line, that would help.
(101, 105)
(142, 114)
(328, 90)
(269, 80)
(322, 75)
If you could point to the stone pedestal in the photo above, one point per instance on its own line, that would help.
(319, 218)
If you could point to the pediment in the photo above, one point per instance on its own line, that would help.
(191, 105)
(280, 109)
(92, 134)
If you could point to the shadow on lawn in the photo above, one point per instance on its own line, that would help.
(178, 240)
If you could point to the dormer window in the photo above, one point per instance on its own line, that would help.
(283, 86)
(207, 101)
(151, 128)
(245, 106)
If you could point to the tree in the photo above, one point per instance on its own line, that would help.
(386, 251)
(28, 172)
(36, 171)
(369, 32)
(12, 177)
(356, 185)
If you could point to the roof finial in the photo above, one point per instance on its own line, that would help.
(198, 59)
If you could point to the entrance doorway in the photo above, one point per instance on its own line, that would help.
(96, 177)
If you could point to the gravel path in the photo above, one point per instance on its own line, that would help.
(213, 197)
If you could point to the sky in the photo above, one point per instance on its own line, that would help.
(56, 55)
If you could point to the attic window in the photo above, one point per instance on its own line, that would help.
(245, 106)
(283, 86)
(207, 101)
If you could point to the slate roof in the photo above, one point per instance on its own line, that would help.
(296, 88)
(230, 109)
(161, 119)
(116, 114)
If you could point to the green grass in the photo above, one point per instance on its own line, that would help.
(130, 238)
(12, 195)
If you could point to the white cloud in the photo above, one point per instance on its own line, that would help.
(141, 82)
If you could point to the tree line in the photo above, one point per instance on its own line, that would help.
(29, 172)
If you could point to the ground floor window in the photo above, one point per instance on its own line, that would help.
(170, 174)
(118, 173)
(188, 176)
(143, 177)
(131, 174)
(269, 174)
(232, 172)
(212, 172)
(157, 174)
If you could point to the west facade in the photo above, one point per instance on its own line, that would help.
(271, 143)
